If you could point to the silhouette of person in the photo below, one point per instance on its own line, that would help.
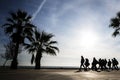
(115, 64)
(82, 63)
(105, 63)
(100, 63)
(94, 64)
(109, 64)
(87, 64)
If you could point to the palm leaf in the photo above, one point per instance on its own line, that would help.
(30, 38)
(116, 32)
(45, 37)
(55, 48)
(29, 25)
(9, 30)
(10, 20)
(50, 51)
(19, 13)
(37, 35)
(114, 23)
(7, 25)
(31, 50)
(27, 46)
(52, 42)
(24, 15)
(118, 14)
(28, 31)
(13, 15)
(28, 18)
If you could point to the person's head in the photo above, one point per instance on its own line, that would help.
(81, 56)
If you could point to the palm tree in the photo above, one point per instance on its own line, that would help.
(42, 44)
(115, 24)
(18, 26)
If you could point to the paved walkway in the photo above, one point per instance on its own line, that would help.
(53, 74)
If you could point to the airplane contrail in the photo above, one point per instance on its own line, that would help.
(38, 10)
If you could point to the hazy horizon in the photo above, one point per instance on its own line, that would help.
(81, 27)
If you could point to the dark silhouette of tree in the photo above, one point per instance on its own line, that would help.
(42, 43)
(9, 52)
(18, 26)
(7, 55)
(115, 24)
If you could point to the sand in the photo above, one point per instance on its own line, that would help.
(57, 74)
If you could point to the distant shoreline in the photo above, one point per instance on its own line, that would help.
(43, 67)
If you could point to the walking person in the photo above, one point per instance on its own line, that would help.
(109, 64)
(94, 64)
(115, 63)
(87, 64)
(105, 64)
(82, 63)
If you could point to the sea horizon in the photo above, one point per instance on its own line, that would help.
(46, 67)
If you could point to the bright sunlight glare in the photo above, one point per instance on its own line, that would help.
(89, 38)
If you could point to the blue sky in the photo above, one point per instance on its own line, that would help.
(80, 27)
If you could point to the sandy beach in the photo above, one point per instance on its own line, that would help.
(57, 74)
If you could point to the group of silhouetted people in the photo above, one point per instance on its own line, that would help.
(100, 64)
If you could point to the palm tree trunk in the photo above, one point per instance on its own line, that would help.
(14, 62)
(38, 60)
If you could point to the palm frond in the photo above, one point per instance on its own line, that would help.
(52, 42)
(10, 20)
(115, 33)
(45, 37)
(55, 48)
(7, 25)
(13, 15)
(31, 50)
(8, 30)
(118, 14)
(24, 15)
(50, 51)
(30, 38)
(49, 36)
(37, 35)
(27, 46)
(19, 13)
(28, 18)
(114, 23)
(29, 25)
(28, 31)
